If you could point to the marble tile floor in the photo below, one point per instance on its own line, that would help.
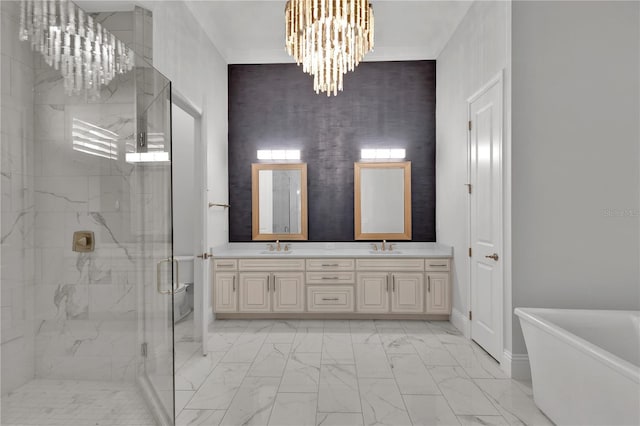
(345, 373)
(75, 403)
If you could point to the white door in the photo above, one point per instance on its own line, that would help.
(372, 292)
(190, 187)
(288, 292)
(407, 292)
(485, 177)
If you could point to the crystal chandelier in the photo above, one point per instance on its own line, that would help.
(329, 38)
(87, 55)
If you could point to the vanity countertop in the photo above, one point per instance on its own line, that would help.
(331, 250)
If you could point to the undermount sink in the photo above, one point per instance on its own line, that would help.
(384, 253)
(276, 252)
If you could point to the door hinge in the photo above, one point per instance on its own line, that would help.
(468, 187)
(469, 251)
(470, 125)
(143, 349)
(142, 139)
(470, 316)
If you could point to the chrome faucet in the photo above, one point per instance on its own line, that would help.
(384, 245)
(277, 245)
(375, 246)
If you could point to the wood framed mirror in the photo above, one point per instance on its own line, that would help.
(382, 201)
(279, 201)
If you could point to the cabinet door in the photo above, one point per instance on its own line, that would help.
(438, 293)
(288, 292)
(372, 290)
(225, 297)
(255, 292)
(407, 292)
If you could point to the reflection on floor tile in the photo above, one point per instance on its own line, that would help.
(348, 373)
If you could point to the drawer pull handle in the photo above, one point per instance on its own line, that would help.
(432, 265)
(234, 283)
(428, 284)
(330, 299)
(330, 278)
(330, 264)
(225, 265)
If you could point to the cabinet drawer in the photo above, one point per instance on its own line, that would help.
(225, 264)
(271, 264)
(437, 265)
(330, 299)
(386, 264)
(330, 264)
(330, 277)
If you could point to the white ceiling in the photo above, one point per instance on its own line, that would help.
(253, 31)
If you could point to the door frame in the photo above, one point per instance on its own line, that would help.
(498, 80)
(200, 266)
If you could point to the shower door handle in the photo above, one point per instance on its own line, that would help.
(174, 285)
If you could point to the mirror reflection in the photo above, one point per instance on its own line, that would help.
(279, 201)
(382, 201)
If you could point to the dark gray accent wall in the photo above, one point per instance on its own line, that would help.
(384, 104)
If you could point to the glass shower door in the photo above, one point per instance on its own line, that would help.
(151, 156)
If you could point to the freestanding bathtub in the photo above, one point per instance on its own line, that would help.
(585, 364)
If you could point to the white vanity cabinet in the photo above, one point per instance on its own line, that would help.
(390, 292)
(407, 292)
(271, 291)
(381, 286)
(330, 285)
(438, 286)
(225, 297)
(225, 285)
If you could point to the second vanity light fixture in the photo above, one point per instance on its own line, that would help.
(383, 154)
(278, 154)
(329, 38)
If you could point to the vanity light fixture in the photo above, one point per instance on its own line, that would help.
(87, 55)
(278, 154)
(329, 38)
(383, 154)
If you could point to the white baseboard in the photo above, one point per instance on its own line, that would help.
(461, 322)
(516, 365)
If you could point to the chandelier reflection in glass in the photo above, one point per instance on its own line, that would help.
(87, 55)
(329, 38)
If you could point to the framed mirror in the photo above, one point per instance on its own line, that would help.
(382, 209)
(279, 201)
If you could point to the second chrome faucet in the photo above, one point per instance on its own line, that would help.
(383, 246)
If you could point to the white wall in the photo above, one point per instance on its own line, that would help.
(184, 54)
(476, 53)
(575, 156)
(17, 212)
(184, 193)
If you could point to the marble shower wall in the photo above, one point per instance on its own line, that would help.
(85, 303)
(17, 205)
